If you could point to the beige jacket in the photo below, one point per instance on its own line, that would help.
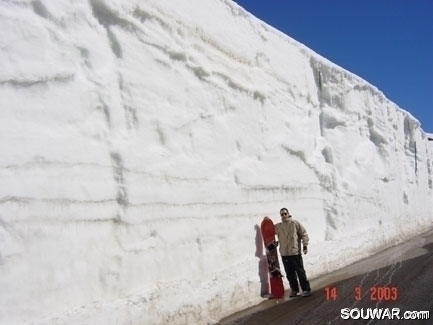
(290, 233)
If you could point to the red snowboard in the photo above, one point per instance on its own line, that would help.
(268, 234)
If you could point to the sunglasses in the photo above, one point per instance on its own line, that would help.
(283, 214)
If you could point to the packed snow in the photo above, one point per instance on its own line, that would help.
(144, 141)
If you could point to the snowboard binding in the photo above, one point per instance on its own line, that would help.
(273, 245)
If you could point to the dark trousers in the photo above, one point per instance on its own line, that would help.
(294, 267)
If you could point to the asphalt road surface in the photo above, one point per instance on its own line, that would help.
(396, 280)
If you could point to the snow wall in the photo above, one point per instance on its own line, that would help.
(143, 141)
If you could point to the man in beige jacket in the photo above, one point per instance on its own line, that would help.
(290, 235)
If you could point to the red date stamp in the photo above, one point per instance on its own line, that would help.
(385, 293)
(331, 293)
(378, 293)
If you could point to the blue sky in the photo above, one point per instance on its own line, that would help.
(389, 43)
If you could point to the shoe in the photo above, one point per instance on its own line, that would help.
(293, 294)
(306, 294)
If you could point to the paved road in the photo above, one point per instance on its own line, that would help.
(399, 277)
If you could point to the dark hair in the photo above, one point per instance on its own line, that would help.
(284, 209)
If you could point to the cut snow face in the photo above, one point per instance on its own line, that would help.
(144, 141)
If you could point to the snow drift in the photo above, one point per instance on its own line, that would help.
(143, 142)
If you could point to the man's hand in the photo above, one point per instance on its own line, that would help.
(305, 250)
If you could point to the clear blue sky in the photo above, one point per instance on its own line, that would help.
(389, 43)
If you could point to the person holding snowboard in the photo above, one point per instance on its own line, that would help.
(291, 234)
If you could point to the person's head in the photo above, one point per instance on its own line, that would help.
(284, 213)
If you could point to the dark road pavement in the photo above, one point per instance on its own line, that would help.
(398, 279)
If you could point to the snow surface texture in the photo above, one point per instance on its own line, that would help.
(143, 142)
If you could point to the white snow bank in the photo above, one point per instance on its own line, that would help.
(144, 141)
